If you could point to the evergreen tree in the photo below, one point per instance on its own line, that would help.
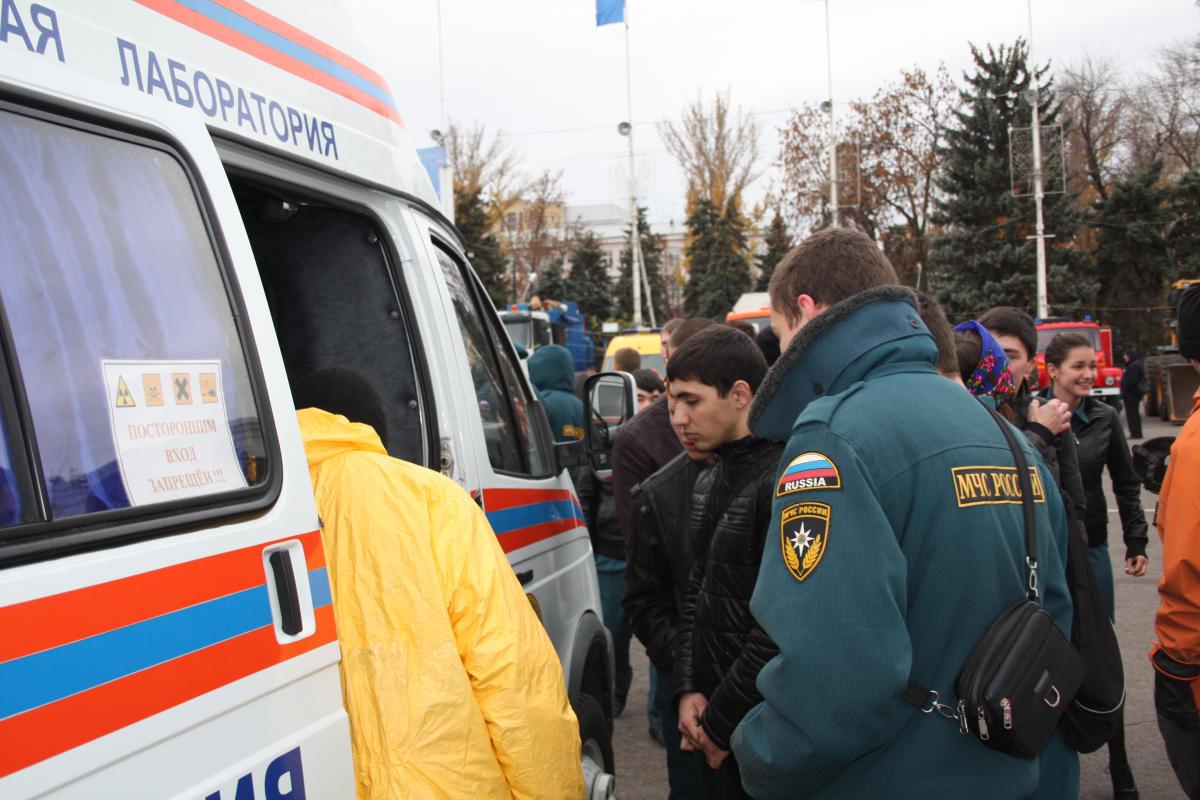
(588, 283)
(719, 271)
(778, 244)
(483, 248)
(1182, 211)
(1131, 253)
(551, 284)
(653, 248)
(985, 258)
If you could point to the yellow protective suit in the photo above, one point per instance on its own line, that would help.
(452, 686)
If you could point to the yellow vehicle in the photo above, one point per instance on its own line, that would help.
(646, 342)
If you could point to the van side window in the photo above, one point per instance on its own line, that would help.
(122, 326)
(540, 459)
(499, 397)
(10, 499)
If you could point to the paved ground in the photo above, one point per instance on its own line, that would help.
(641, 769)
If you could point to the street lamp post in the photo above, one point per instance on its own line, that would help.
(833, 189)
(1043, 308)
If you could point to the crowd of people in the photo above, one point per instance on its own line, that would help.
(796, 550)
(808, 528)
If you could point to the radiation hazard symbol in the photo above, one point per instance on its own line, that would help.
(124, 398)
(152, 389)
(804, 537)
(181, 385)
(208, 387)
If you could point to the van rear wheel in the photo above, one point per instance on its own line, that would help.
(596, 738)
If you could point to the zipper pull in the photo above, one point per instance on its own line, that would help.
(1007, 706)
(963, 728)
(983, 729)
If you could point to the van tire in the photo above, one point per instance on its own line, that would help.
(594, 730)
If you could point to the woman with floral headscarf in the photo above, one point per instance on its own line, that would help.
(984, 366)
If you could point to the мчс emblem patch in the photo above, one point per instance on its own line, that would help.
(804, 536)
(809, 471)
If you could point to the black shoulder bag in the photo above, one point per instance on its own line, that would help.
(1023, 672)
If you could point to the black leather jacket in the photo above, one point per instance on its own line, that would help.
(721, 647)
(1061, 454)
(660, 559)
(1102, 444)
(600, 511)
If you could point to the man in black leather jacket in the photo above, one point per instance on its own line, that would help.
(719, 646)
(655, 583)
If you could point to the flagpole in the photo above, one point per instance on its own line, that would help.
(635, 238)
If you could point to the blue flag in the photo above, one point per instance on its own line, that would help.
(609, 11)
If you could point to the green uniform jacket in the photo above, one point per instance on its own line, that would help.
(896, 540)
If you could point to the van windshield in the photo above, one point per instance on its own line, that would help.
(1046, 335)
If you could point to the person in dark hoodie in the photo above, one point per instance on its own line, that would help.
(552, 373)
(720, 649)
(1133, 386)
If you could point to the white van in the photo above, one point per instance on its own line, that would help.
(202, 201)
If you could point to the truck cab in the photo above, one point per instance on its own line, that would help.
(1108, 375)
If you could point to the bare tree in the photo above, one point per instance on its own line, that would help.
(1166, 122)
(887, 159)
(536, 230)
(1097, 107)
(717, 148)
(483, 165)
(901, 138)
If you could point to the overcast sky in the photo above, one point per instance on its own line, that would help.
(554, 83)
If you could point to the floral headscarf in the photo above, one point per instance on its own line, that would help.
(991, 376)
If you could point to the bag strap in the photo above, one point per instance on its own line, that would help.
(1031, 563)
(928, 699)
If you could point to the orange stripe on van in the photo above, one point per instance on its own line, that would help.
(47, 622)
(514, 540)
(44, 732)
(238, 40)
(288, 31)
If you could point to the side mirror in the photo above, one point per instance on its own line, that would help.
(610, 400)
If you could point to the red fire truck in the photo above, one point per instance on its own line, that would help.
(1108, 374)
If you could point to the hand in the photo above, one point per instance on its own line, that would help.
(712, 754)
(1136, 566)
(1053, 414)
(691, 706)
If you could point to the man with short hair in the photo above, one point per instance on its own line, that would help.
(665, 333)
(642, 447)
(719, 650)
(882, 570)
(646, 443)
(1176, 653)
(627, 360)
(649, 387)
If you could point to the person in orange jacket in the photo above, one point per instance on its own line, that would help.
(1176, 654)
(451, 685)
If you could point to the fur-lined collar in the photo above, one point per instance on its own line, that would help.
(855, 342)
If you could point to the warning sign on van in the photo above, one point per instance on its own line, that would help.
(169, 446)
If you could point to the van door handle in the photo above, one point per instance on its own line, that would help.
(286, 593)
